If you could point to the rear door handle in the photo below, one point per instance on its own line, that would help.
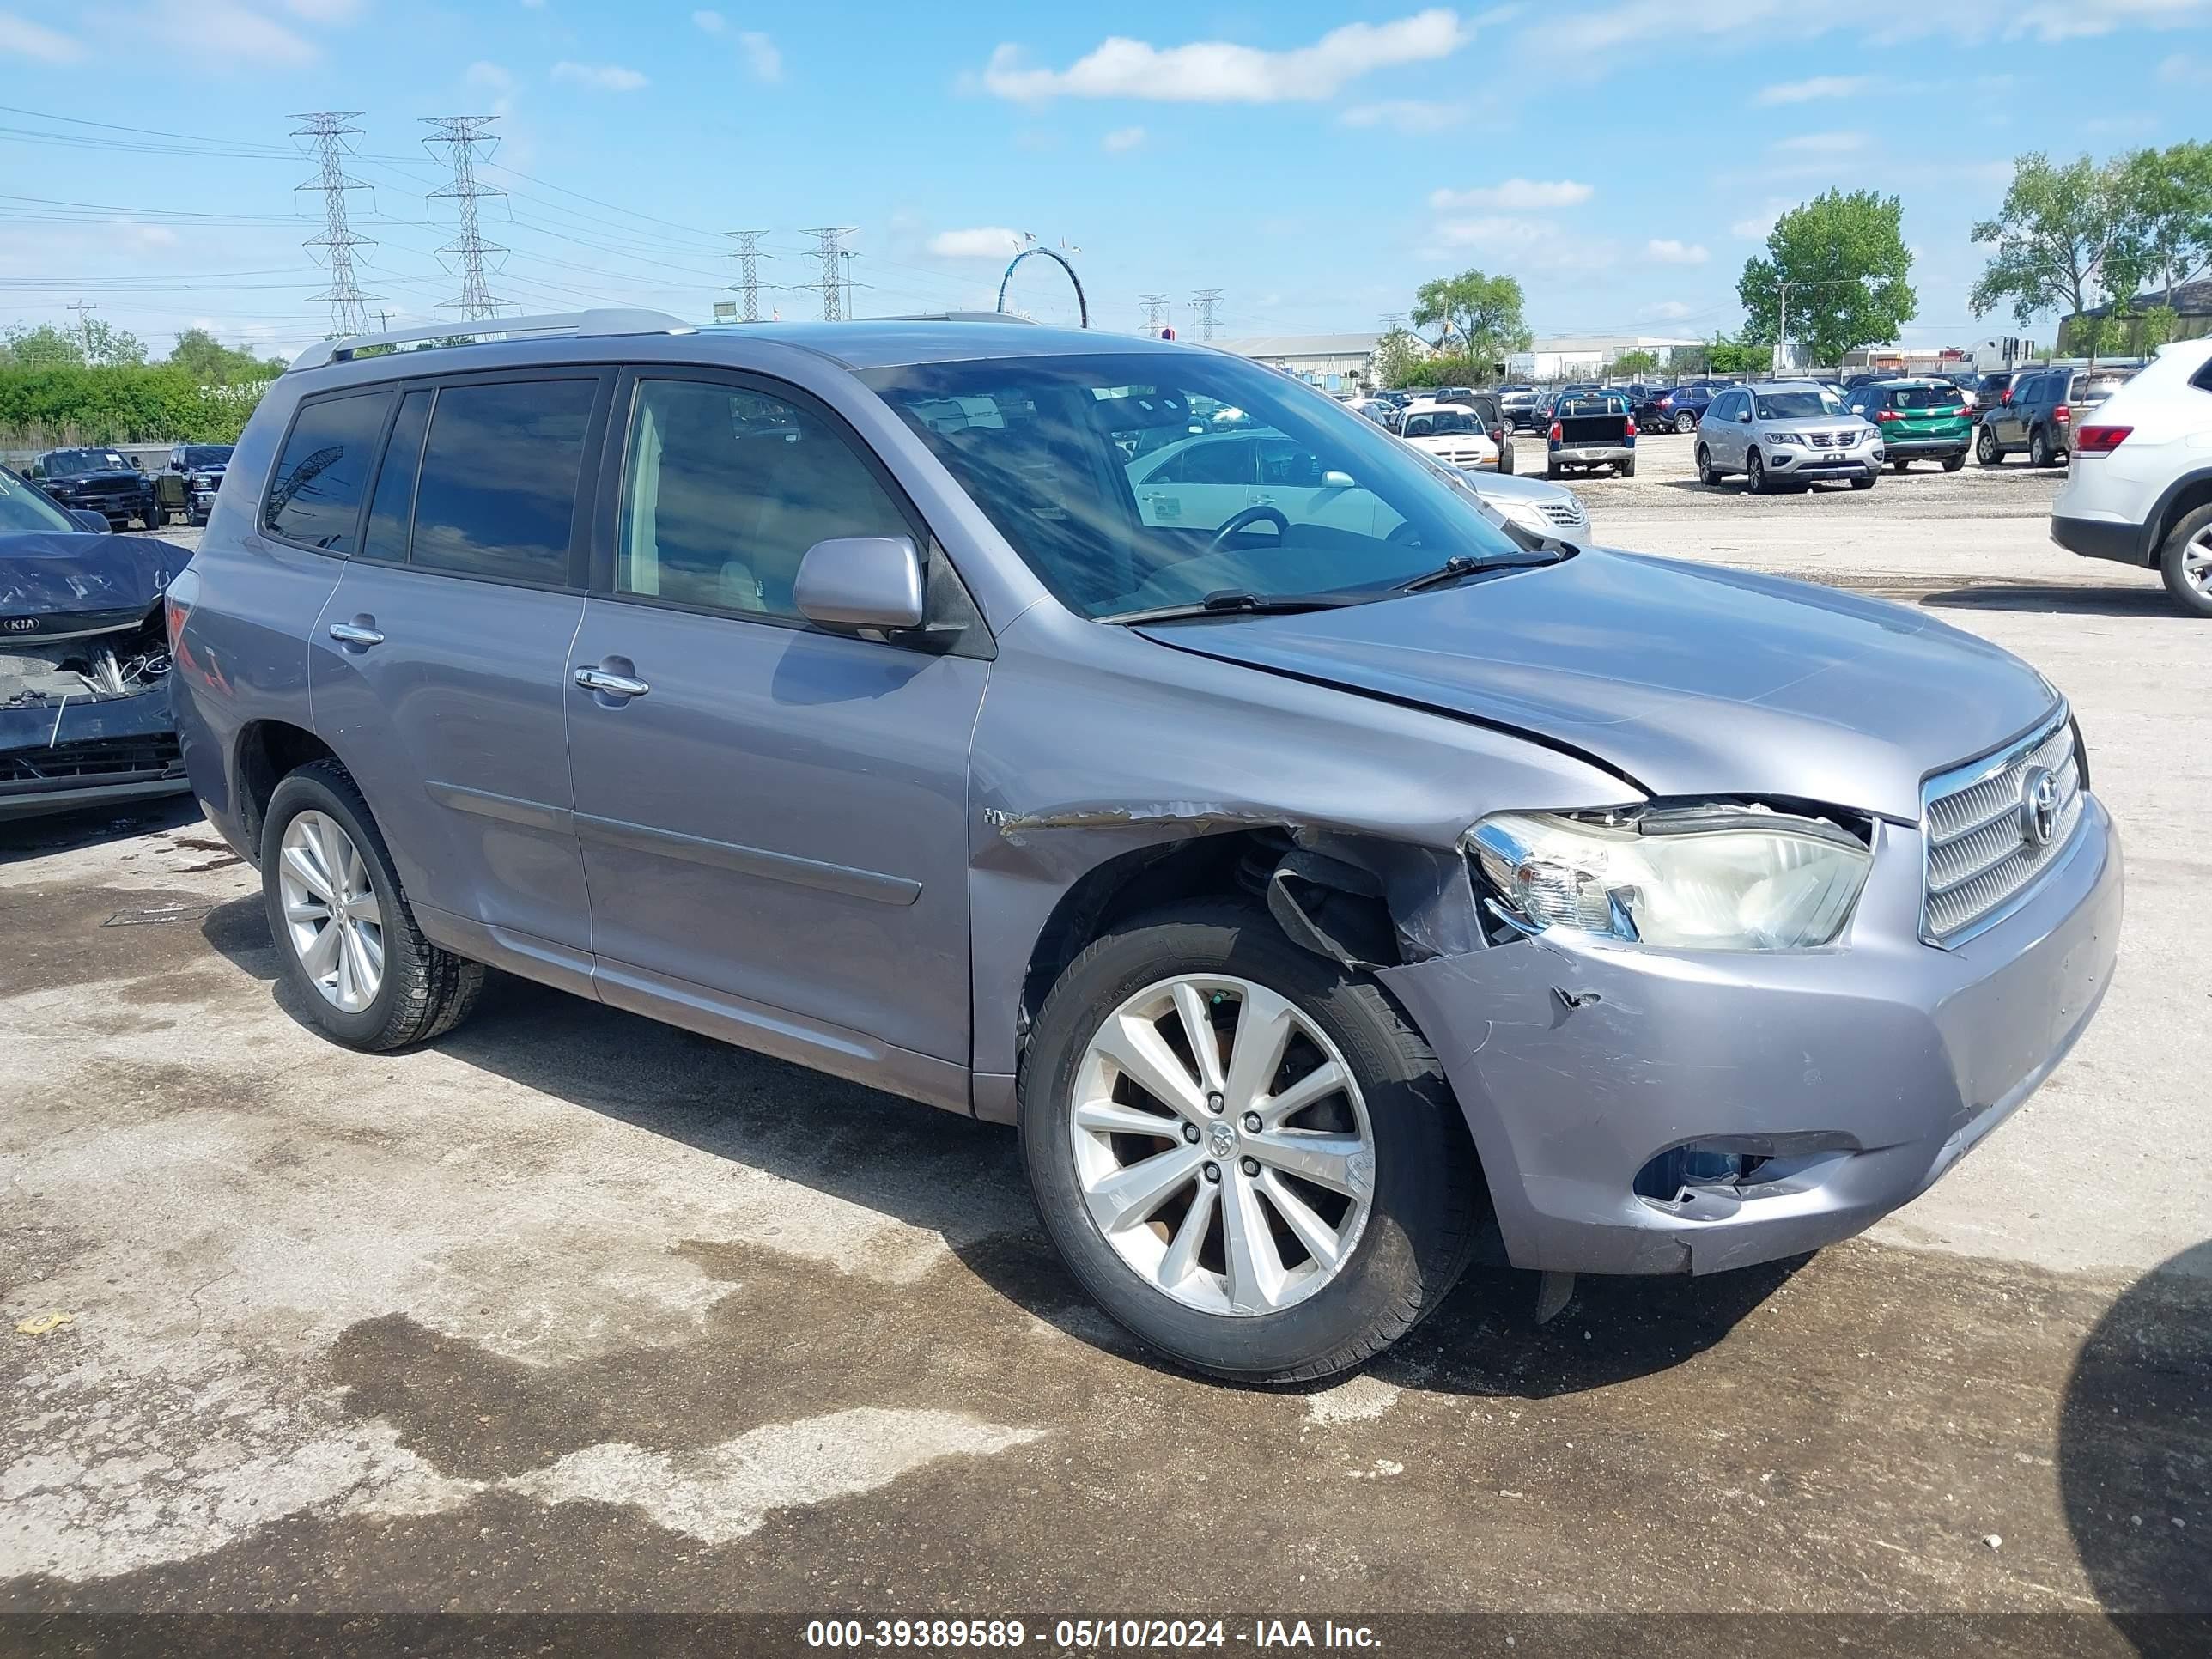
(611, 685)
(354, 634)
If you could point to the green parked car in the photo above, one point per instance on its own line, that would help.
(1919, 421)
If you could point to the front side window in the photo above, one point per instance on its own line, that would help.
(498, 488)
(314, 496)
(1059, 452)
(725, 490)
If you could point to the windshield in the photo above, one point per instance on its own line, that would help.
(1302, 497)
(24, 506)
(1798, 405)
(207, 454)
(65, 463)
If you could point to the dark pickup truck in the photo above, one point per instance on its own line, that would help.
(97, 480)
(1590, 430)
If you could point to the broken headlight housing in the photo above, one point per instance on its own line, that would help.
(1701, 879)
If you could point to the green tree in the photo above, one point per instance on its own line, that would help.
(2052, 237)
(1481, 315)
(45, 346)
(2162, 208)
(210, 363)
(1396, 356)
(1722, 356)
(2155, 327)
(1837, 267)
(1634, 362)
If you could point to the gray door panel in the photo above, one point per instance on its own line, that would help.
(454, 725)
(781, 816)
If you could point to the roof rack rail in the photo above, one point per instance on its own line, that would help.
(950, 316)
(603, 320)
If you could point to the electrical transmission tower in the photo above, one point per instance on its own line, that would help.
(1203, 302)
(459, 134)
(747, 286)
(828, 249)
(1156, 313)
(1393, 321)
(330, 128)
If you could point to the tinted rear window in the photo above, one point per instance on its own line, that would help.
(391, 507)
(498, 489)
(314, 498)
(2095, 388)
(1924, 397)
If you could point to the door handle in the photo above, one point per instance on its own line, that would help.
(611, 685)
(354, 634)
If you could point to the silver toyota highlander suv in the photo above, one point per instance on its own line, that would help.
(1329, 877)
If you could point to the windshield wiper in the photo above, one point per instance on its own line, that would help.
(1460, 565)
(1235, 602)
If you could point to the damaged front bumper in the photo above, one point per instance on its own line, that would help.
(89, 753)
(1860, 1073)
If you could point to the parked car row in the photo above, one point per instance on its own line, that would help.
(106, 480)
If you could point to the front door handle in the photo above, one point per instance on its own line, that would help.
(357, 632)
(611, 685)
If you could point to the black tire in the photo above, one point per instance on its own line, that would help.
(155, 517)
(1755, 473)
(1987, 450)
(1899, 467)
(1866, 483)
(1685, 424)
(1505, 457)
(427, 991)
(1706, 474)
(1625, 470)
(2172, 559)
(2039, 448)
(1952, 463)
(1428, 1195)
(1551, 469)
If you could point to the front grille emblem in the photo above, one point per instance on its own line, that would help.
(2038, 806)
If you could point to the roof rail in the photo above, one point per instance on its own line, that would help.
(951, 316)
(604, 320)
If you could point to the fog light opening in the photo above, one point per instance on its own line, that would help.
(1677, 1176)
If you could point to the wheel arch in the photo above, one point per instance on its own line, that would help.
(264, 753)
(2183, 497)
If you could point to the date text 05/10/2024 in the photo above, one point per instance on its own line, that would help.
(1086, 1635)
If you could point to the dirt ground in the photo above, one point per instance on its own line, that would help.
(571, 1312)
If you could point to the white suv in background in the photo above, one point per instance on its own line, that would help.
(2139, 489)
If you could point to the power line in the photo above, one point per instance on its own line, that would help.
(829, 248)
(1203, 302)
(460, 135)
(329, 131)
(748, 257)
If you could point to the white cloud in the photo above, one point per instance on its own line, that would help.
(761, 55)
(493, 76)
(1122, 139)
(1823, 143)
(603, 77)
(21, 38)
(1590, 41)
(1666, 250)
(2178, 69)
(1820, 86)
(1412, 116)
(1515, 194)
(325, 11)
(222, 33)
(982, 242)
(1666, 311)
(1219, 72)
(2075, 20)
(713, 21)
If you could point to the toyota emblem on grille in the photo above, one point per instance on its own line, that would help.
(2038, 806)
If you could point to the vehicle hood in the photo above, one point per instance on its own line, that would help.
(71, 480)
(1688, 680)
(61, 584)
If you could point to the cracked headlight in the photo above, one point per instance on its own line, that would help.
(1707, 878)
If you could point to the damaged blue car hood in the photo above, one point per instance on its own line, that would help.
(1687, 679)
(58, 583)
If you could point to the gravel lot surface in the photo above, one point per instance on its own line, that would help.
(573, 1312)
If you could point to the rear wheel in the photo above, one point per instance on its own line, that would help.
(1986, 447)
(1243, 1152)
(349, 946)
(1685, 424)
(2186, 562)
(1551, 469)
(1706, 475)
(2039, 448)
(1627, 469)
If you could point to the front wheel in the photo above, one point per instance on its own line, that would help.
(1866, 483)
(1755, 474)
(1243, 1152)
(357, 964)
(1952, 463)
(2187, 563)
(1899, 467)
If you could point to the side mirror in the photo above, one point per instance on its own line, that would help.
(96, 523)
(1334, 479)
(860, 581)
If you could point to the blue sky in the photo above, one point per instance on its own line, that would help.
(1315, 159)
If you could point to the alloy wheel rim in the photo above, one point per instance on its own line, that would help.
(2196, 562)
(1222, 1145)
(332, 917)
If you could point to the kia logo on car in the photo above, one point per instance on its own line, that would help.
(18, 624)
(2039, 807)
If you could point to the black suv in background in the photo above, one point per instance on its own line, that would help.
(97, 481)
(2045, 406)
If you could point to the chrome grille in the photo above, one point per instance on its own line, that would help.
(1826, 439)
(1560, 512)
(1984, 848)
